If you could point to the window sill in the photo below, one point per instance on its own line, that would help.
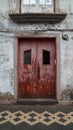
(50, 18)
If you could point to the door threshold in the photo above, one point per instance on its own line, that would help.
(36, 101)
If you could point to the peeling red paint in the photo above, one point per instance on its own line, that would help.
(37, 80)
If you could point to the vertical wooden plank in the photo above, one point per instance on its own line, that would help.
(47, 71)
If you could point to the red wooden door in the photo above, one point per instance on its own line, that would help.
(37, 68)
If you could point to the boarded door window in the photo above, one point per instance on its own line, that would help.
(27, 57)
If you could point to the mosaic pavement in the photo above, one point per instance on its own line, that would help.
(32, 118)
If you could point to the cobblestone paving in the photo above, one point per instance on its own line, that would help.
(23, 117)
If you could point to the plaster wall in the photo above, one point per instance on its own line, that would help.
(6, 65)
(7, 31)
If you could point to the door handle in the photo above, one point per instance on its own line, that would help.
(55, 62)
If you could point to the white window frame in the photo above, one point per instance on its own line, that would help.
(40, 2)
(29, 2)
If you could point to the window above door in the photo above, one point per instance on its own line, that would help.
(37, 6)
(34, 2)
(34, 11)
(25, 6)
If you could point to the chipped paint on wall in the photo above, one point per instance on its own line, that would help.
(67, 67)
(65, 28)
(6, 64)
(66, 6)
(6, 96)
(67, 94)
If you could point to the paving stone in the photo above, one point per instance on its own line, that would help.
(36, 117)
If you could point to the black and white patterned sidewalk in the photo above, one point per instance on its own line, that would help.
(23, 117)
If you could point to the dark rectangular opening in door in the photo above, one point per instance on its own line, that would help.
(46, 57)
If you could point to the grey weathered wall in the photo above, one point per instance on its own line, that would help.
(4, 6)
(6, 65)
(66, 6)
(7, 30)
(67, 66)
(13, 6)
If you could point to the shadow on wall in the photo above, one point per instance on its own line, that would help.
(6, 96)
(11, 76)
(67, 94)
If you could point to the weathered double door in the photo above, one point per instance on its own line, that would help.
(37, 68)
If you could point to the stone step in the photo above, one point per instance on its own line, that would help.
(36, 102)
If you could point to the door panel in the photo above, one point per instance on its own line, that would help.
(36, 68)
(47, 80)
(27, 69)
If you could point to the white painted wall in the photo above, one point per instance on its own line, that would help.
(4, 6)
(67, 66)
(39, 6)
(6, 64)
(7, 41)
(66, 6)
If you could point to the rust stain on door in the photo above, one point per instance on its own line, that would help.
(37, 68)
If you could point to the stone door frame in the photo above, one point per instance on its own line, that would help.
(48, 34)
